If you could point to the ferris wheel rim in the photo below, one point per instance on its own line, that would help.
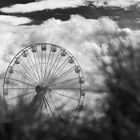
(61, 48)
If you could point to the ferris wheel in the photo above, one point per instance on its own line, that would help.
(47, 76)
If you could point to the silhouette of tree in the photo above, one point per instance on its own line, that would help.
(123, 81)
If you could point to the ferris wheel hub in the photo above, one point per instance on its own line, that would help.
(38, 89)
(41, 89)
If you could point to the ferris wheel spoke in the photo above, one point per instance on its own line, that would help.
(37, 56)
(28, 71)
(55, 68)
(34, 102)
(45, 104)
(54, 92)
(40, 102)
(54, 104)
(62, 65)
(21, 95)
(50, 71)
(59, 68)
(35, 64)
(32, 69)
(41, 67)
(66, 88)
(23, 75)
(64, 74)
(50, 66)
(55, 61)
(28, 99)
(64, 103)
(49, 106)
(61, 107)
(64, 82)
(46, 66)
(41, 105)
(19, 88)
(21, 82)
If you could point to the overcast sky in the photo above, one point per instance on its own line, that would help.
(80, 26)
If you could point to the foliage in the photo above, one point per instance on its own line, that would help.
(19, 123)
(123, 81)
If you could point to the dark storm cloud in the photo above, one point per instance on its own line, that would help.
(125, 18)
(90, 10)
(4, 3)
(40, 5)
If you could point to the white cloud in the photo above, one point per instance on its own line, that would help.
(115, 3)
(53, 4)
(42, 5)
(14, 20)
(80, 36)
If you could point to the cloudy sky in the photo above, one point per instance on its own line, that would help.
(81, 26)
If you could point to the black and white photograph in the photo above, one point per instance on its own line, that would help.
(69, 69)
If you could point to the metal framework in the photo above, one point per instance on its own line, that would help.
(47, 76)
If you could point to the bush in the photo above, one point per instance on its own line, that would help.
(123, 81)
